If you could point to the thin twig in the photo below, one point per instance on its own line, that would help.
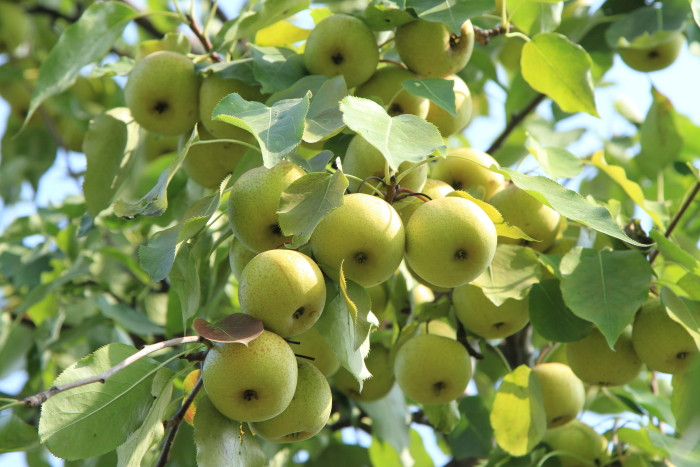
(197, 30)
(462, 339)
(144, 22)
(514, 122)
(394, 62)
(174, 424)
(483, 36)
(37, 399)
(676, 219)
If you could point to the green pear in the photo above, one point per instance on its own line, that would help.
(653, 58)
(432, 369)
(482, 317)
(594, 362)
(15, 26)
(422, 294)
(253, 204)
(208, 162)
(464, 169)
(342, 45)
(385, 85)
(313, 344)
(152, 145)
(450, 241)
(364, 160)
(563, 394)
(379, 299)
(660, 342)
(305, 415)
(378, 363)
(423, 282)
(284, 289)
(430, 49)
(438, 328)
(365, 234)
(587, 448)
(239, 256)
(253, 382)
(447, 124)
(523, 210)
(432, 188)
(162, 92)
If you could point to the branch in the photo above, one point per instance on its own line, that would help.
(197, 30)
(514, 122)
(483, 36)
(174, 423)
(144, 22)
(462, 339)
(676, 219)
(37, 399)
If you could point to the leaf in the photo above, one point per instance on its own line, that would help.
(503, 228)
(517, 416)
(280, 33)
(15, 434)
(550, 316)
(324, 118)
(683, 311)
(15, 341)
(510, 275)
(94, 419)
(536, 16)
(86, 41)
(237, 327)
(443, 417)
(555, 66)
(157, 255)
(304, 203)
(384, 18)
(185, 280)
(221, 441)
(472, 436)
(402, 138)
(556, 162)
(646, 26)
(128, 318)
(278, 129)
(131, 453)
(277, 68)
(569, 204)
(451, 12)
(390, 419)
(241, 69)
(605, 287)
(349, 304)
(659, 136)
(439, 91)
(109, 149)
(633, 190)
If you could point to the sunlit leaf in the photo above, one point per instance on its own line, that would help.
(550, 316)
(510, 275)
(451, 12)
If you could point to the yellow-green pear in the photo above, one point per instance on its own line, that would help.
(586, 447)
(660, 342)
(365, 234)
(448, 124)
(253, 382)
(432, 188)
(438, 328)
(450, 241)
(464, 169)
(162, 92)
(239, 256)
(379, 299)
(386, 85)
(253, 204)
(378, 363)
(305, 415)
(482, 317)
(594, 362)
(15, 26)
(653, 58)
(432, 369)
(422, 294)
(209, 162)
(563, 394)
(431, 49)
(523, 210)
(313, 344)
(284, 289)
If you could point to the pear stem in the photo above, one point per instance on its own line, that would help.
(676, 219)
(197, 30)
(174, 423)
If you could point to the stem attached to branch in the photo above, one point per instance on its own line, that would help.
(37, 399)
(462, 339)
(676, 219)
(514, 122)
(483, 36)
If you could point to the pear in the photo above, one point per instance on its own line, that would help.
(187, 385)
(284, 289)
(379, 299)
(563, 394)
(438, 328)
(253, 382)
(653, 58)
(312, 344)
(448, 124)
(386, 85)
(305, 415)
(378, 363)
(152, 145)
(587, 447)
(239, 256)
(464, 169)
(209, 163)
(432, 188)
(482, 317)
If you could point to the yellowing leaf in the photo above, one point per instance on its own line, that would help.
(344, 291)
(503, 228)
(280, 34)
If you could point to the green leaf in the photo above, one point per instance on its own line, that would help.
(222, 441)
(157, 255)
(659, 136)
(534, 16)
(646, 26)
(556, 162)
(241, 69)
(390, 419)
(555, 66)
(15, 435)
(185, 279)
(443, 417)
(550, 316)
(304, 203)
(15, 341)
(439, 91)
(605, 287)
(94, 419)
(402, 138)
(384, 18)
(472, 436)
(517, 416)
(87, 40)
(128, 318)
(278, 129)
(683, 311)
(451, 12)
(510, 275)
(138, 443)
(324, 118)
(569, 204)
(277, 68)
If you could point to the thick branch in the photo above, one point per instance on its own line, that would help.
(514, 122)
(676, 219)
(37, 399)
(174, 423)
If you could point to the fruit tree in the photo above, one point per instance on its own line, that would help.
(351, 233)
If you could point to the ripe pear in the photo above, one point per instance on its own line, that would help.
(464, 169)
(313, 344)
(187, 385)
(432, 50)
(579, 439)
(422, 294)
(447, 124)
(364, 160)
(284, 289)
(653, 58)
(594, 362)
(342, 45)
(660, 342)
(385, 84)
(563, 394)
(425, 283)
(208, 163)
(378, 363)
(432, 369)
(450, 241)
(432, 188)
(365, 234)
(251, 383)
(253, 204)
(305, 415)
(482, 317)
(438, 328)
(162, 93)
(525, 211)
(239, 256)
